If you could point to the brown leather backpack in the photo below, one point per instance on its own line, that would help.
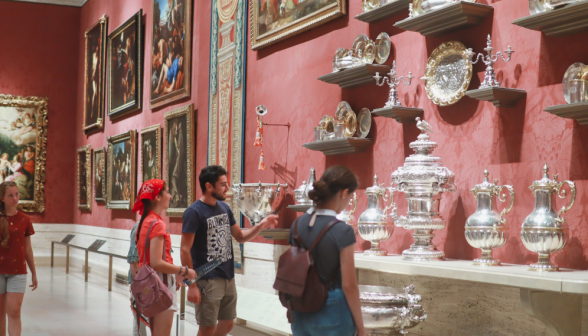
(297, 279)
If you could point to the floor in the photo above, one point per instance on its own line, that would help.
(65, 305)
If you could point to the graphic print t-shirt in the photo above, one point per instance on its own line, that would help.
(212, 228)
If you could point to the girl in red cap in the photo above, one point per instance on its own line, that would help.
(153, 200)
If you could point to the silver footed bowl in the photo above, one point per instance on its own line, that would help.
(389, 311)
(257, 200)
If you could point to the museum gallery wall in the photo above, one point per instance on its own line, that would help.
(472, 135)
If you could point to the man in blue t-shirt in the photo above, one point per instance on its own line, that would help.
(207, 228)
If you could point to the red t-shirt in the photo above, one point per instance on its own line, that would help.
(13, 258)
(159, 229)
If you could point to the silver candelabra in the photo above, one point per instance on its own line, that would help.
(489, 60)
(393, 82)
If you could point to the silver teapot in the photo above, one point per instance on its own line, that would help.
(543, 230)
(486, 229)
(299, 193)
(374, 224)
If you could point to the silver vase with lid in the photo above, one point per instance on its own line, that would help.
(374, 224)
(423, 179)
(486, 229)
(543, 231)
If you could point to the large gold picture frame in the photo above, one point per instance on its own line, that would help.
(165, 56)
(100, 174)
(272, 22)
(94, 75)
(122, 170)
(151, 153)
(23, 127)
(85, 178)
(179, 158)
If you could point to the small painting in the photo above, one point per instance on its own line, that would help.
(94, 69)
(276, 20)
(171, 52)
(124, 68)
(23, 137)
(179, 159)
(151, 153)
(121, 170)
(100, 175)
(85, 178)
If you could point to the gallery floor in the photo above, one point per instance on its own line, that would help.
(65, 305)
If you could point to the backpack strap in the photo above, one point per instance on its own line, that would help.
(295, 237)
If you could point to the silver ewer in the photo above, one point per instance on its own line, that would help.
(389, 311)
(486, 229)
(375, 224)
(422, 179)
(393, 82)
(543, 231)
(257, 200)
(347, 214)
(489, 60)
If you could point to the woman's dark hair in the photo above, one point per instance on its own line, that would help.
(146, 209)
(210, 174)
(334, 179)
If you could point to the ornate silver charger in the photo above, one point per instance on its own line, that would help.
(257, 200)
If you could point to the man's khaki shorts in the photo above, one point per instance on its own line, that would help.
(219, 301)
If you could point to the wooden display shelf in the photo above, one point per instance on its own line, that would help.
(340, 146)
(578, 111)
(447, 19)
(568, 20)
(275, 234)
(356, 76)
(404, 115)
(499, 96)
(392, 8)
(299, 207)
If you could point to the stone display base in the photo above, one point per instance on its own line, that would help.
(340, 146)
(275, 234)
(356, 76)
(299, 207)
(392, 8)
(499, 96)
(404, 115)
(569, 20)
(578, 111)
(456, 16)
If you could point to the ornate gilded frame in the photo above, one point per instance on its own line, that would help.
(324, 15)
(157, 130)
(187, 111)
(184, 92)
(40, 104)
(136, 104)
(132, 136)
(102, 24)
(87, 166)
(446, 49)
(102, 152)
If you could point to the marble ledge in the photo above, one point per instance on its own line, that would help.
(564, 281)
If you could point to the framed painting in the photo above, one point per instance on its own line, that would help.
(121, 171)
(124, 67)
(100, 174)
(94, 71)
(179, 159)
(151, 153)
(171, 53)
(23, 139)
(275, 20)
(85, 178)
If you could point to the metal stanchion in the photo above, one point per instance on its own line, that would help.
(183, 303)
(52, 252)
(110, 273)
(67, 260)
(86, 268)
(178, 324)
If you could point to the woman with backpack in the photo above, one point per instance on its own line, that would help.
(152, 200)
(333, 257)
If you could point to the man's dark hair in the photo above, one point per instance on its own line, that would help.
(210, 174)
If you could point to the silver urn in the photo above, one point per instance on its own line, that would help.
(486, 229)
(543, 231)
(389, 311)
(423, 179)
(257, 200)
(374, 224)
(299, 193)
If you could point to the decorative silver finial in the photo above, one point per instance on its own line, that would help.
(489, 60)
(393, 83)
(486, 175)
(423, 126)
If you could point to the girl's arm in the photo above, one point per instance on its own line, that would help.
(31, 261)
(160, 265)
(350, 289)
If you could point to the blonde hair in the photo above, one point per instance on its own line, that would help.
(4, 235)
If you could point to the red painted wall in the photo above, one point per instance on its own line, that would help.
(38, 57)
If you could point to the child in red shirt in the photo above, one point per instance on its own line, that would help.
(16, 252)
